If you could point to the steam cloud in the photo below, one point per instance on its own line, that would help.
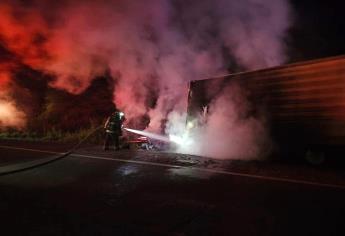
(151, 48)
(228, 131)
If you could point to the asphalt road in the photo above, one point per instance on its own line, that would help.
(146, 193)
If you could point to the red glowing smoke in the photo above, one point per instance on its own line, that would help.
(151, 48)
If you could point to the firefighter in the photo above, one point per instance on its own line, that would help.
(113, 129)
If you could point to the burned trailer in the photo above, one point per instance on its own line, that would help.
(304, 103)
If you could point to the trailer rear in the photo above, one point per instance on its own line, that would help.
(304, 103)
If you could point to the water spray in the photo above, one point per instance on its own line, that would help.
(149, 135)
(171, 138)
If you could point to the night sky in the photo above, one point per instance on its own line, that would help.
(318, 30)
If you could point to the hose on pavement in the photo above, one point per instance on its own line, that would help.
(15, 168)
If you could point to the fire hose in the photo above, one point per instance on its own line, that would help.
(15, 168)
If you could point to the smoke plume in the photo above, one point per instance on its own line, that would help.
(151, 48)
(228, 128)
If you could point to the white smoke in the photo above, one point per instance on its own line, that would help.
(228, 131)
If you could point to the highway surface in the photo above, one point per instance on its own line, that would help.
(92, 192)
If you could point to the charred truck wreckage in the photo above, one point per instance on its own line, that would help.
(304, 104)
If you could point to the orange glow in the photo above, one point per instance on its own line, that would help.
(10, 116)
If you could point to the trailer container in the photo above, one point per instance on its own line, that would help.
(304, 103)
